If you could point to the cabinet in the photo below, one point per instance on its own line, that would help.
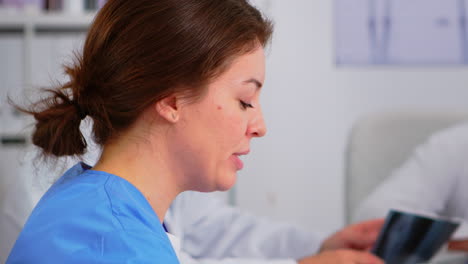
(31, 27)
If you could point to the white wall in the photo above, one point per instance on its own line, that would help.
(295, 173)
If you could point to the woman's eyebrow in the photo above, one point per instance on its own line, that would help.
(254, 81)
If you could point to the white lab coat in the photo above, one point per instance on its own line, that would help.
(433, 180)
(212, 232)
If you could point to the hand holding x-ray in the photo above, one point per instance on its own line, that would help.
(409, 238)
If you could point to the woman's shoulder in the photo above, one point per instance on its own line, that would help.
(102, 200)
(94, 213)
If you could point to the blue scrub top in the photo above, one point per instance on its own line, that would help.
(92, 216)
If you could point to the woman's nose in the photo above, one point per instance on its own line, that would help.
(257, 127)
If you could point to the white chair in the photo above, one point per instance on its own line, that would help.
(381, 142)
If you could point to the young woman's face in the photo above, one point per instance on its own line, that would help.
(216, 130)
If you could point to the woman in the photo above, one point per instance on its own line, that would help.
(172, 87)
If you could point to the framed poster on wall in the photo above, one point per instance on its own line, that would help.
(401, 32)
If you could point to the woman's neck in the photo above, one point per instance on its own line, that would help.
(145, 168)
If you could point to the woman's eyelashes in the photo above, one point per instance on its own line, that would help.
(245, 105)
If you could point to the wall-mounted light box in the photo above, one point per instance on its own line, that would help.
(401, 32)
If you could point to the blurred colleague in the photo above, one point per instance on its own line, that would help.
(212, 232)
(433, 180)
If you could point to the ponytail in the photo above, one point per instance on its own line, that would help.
(57, 130)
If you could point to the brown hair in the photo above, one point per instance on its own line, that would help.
(138, 52)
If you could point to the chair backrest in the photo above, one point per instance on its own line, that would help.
(381, 142)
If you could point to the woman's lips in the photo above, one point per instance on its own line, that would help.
(237, 162)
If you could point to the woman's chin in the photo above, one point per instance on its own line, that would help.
(227, 182)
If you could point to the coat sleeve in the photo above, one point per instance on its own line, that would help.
(211, 230)
(427, 182)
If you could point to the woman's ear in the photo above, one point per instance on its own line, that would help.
(168, 108)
